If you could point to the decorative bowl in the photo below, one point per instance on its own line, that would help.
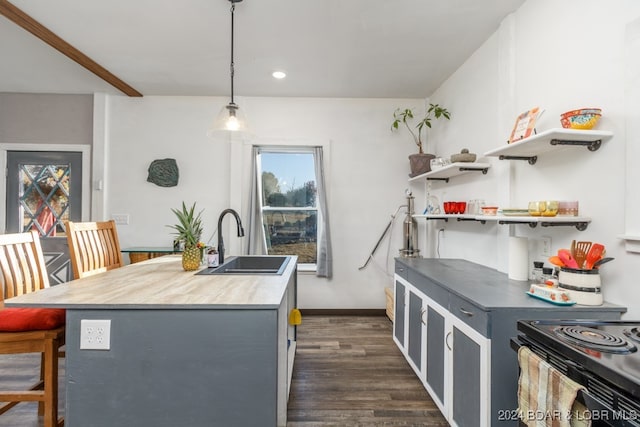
(463, 156)
(582, 119)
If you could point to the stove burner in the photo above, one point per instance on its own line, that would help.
(595, 339)
(634, 334)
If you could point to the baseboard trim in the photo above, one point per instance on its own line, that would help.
(343, 312)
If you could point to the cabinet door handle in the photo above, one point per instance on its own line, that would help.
(422, 312)
(468, 313)
(400, 269)
(446, 340)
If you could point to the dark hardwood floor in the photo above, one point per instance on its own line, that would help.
(348, 372)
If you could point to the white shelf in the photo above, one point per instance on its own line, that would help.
(550, 140)
(580, 222)
(454, 169)
(632, 243)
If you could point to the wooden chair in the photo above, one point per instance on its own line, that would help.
(93, 247)
(30, 330)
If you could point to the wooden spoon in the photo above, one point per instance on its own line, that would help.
(582, 249)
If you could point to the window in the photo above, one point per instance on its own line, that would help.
(289, 215)
(289, 205)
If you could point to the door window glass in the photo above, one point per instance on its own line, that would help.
(44, 197)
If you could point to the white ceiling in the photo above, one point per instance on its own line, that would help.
(329, 48)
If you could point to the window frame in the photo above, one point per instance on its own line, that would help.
(294, 148)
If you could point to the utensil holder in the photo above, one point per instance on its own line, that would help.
(584, 286)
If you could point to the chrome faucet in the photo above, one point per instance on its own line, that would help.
(220, 241)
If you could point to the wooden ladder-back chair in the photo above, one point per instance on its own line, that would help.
(30, 330)
(93, 247)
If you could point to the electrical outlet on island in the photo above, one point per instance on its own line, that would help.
(95, 334)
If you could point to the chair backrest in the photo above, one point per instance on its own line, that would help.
(22, 267)
(93, 247)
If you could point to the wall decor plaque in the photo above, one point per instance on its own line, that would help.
(163, 172)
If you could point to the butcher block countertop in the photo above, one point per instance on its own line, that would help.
(162, 283)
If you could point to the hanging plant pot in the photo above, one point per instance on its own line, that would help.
(420, 163)
(191, 257)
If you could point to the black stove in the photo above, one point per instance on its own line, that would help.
(603, 356)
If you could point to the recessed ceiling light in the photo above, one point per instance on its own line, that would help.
(279, 74)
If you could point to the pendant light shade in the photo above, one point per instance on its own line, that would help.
(231, 118)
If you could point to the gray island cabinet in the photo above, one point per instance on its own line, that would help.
(184, 349)
(453, 322)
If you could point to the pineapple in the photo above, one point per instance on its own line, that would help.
(189, 230)
(191, 258)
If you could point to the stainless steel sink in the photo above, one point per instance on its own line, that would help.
(250, 264)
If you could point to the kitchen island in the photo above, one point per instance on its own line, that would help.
(184, 349)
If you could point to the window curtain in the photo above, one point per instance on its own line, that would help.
(256, 242)
(325, 257)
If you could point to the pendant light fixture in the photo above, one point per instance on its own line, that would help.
(231, 117)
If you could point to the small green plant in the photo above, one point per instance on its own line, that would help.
(435, 111)
(189, 227)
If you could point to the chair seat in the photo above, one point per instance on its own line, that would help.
(35, 336)
(31, 319)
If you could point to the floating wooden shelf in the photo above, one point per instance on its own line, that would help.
(454, 169)
(550, 140)
(579, 222)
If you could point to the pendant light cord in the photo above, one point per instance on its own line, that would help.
(232, 70)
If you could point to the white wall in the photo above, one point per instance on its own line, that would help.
(556, 55)
(537, 58)
(367, 172)
(29, 118)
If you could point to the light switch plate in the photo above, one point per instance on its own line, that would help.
(121, 219)
(95, 334)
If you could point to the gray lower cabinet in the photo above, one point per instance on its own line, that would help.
(434, 352)
(446, 354)
(453, 322)
(466, 379)
(415, 325)
(399, 303)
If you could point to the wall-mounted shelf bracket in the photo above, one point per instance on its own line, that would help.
(432, 218)
(467, 219)
(439, 179)
(466, 169)
(531, 159)
(580, 226)
(591, 145)
(531, 224)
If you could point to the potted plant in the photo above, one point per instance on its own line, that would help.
(421, 162)
(189, 230)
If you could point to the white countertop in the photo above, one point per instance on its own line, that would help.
(162, 283)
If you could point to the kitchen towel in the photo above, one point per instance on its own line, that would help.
(546, 397)
(518, 258)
